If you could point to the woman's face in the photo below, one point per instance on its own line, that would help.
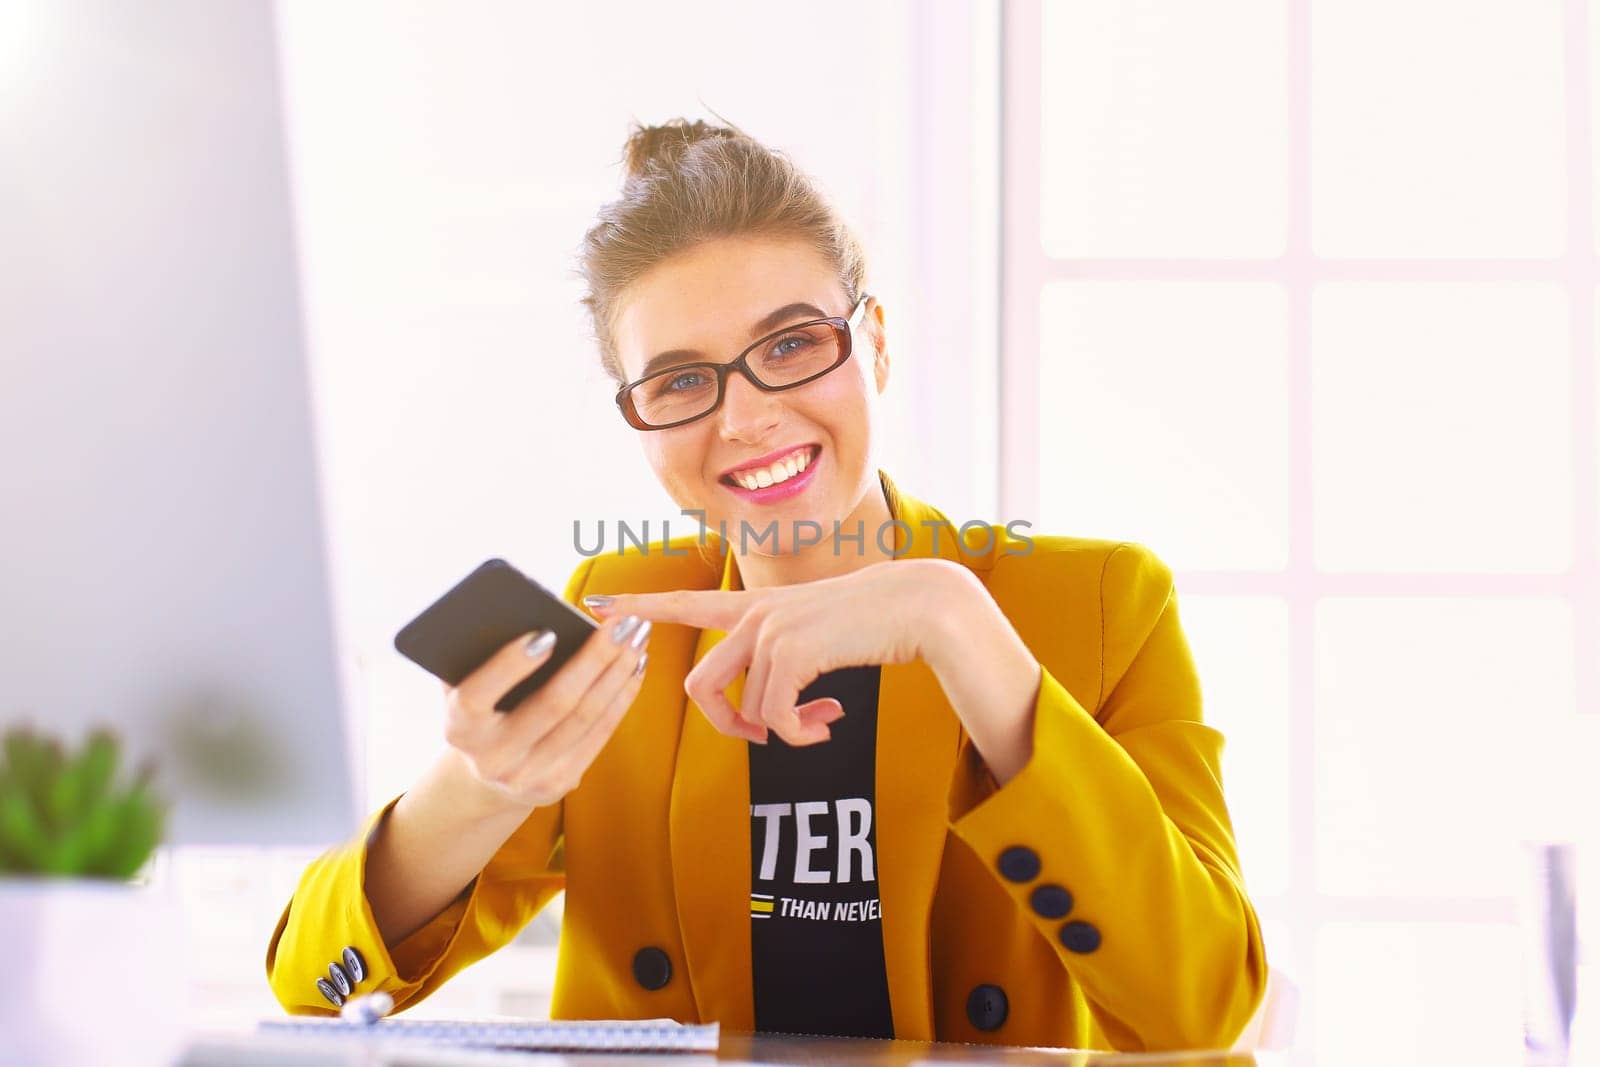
(709, 300)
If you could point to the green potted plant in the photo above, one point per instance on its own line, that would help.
(76, 919)
(65, 816)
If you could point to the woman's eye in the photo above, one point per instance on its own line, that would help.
(788, 346)
(689, 379)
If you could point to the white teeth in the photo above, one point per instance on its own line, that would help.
(781, 471)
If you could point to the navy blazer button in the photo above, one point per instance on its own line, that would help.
(354, 964)
(1080, 937)
(987, 1007)
(341, 981)
(331, 993)
(1051, 901)
(1019, 863)
(651, 968)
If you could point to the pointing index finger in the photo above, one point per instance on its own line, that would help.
(716, 609)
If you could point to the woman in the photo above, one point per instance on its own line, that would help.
(993, 812)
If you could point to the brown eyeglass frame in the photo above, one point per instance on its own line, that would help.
(844, 328)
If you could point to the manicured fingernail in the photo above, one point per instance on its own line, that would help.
(540, 643)
(642, 661)
(624, 628)
(597, 601)
(641, 637)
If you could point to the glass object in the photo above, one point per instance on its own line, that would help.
(1547, 916)
(782, 360)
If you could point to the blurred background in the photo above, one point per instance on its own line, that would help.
(1301, 294)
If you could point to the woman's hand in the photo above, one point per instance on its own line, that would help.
(889, 612)
(536, 753)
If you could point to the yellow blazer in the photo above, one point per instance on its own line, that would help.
(1121, 805)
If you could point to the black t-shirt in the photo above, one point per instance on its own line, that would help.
(816, 930)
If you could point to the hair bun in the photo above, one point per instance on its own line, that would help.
(667, 143)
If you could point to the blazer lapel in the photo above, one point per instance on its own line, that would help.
(919, 737)
(710, 829)
(918, 741)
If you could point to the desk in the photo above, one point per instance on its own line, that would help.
(273, 1050)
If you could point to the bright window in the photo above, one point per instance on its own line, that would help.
(1301, 295)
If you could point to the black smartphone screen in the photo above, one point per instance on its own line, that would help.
(456, 634)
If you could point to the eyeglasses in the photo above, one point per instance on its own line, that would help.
(783, 360)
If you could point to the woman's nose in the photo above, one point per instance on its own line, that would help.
(747, 412)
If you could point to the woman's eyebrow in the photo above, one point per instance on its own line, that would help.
(785, 313)
(767, 324)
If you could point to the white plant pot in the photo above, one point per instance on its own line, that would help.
(91, 972)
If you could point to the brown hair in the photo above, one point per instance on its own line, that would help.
(691, 182)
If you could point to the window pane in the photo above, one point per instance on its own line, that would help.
(1405, 994)
(1445, 732)
(1438, 128)
(1163, 418)
(1241, 652)
(1442, 427)
(1594, 109)
(1279, 940)
(1164, 128)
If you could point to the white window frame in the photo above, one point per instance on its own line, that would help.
(1026, 268)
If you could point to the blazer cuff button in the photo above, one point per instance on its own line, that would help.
(1019, 864)
(333, 996)
(1080, 937)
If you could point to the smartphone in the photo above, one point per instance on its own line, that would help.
(459, 632)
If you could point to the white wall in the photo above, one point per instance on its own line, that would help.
(446, 161)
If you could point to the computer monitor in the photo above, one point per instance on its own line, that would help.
(163, 563)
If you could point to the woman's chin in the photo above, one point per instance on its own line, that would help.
(773, 529)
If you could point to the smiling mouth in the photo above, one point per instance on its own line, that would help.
(776, 473)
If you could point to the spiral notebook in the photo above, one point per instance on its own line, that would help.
(620, 1035)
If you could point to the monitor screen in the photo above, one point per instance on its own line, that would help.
(163, 569)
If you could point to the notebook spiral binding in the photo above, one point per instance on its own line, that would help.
(654, 1035)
